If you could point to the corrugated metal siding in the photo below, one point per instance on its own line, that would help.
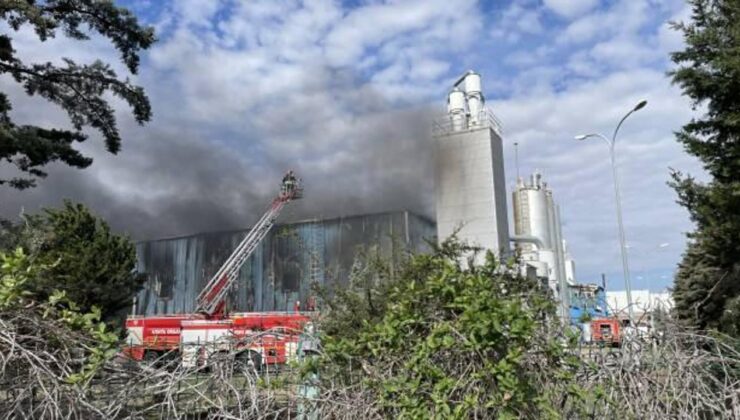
(281, 271)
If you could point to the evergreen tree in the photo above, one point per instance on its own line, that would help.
(79, 89)
(708, 279)
(82, 258)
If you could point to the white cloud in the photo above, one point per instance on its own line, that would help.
(529, 57)
(265, 50)
(624, 53)
(450, 24)
(570, 8)
(621, 18)
(517, 20)
(670, 39)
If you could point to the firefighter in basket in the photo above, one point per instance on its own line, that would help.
(290, 182)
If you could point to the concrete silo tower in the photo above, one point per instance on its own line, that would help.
(470, 185)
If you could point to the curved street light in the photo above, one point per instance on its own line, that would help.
(622, 241)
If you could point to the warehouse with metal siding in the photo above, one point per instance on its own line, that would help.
(282, 269)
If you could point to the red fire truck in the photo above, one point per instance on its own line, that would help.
(262, 338)
(606, 331)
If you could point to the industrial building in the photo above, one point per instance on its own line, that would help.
(281, 271)
(469, 171)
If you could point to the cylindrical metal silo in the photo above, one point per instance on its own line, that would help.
(532, 213)
(539, 215)
(456, 110)
(474, 96)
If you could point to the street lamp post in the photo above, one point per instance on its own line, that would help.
(622, 241)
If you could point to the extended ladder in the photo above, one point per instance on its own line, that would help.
(212, 298)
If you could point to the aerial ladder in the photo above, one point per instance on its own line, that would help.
(212, 299)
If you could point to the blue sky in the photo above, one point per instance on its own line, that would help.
(343, 92)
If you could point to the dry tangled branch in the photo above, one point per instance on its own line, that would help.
(38, 356)
(680, 375)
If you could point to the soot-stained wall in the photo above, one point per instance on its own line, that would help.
(282, 269)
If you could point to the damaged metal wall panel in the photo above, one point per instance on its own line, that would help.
(283, 268)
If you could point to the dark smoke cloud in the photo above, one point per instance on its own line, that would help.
(355, 152)
(168, 186)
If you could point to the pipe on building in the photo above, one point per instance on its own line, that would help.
(529, 239)
(562, 281)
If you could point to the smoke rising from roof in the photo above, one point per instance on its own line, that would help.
(355, 153)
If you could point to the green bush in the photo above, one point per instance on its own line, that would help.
(453, 340)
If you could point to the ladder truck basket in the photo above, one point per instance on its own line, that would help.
(291, 188)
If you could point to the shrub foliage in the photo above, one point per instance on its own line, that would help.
(452, 340)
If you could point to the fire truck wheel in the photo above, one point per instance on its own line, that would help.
(250, 359)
